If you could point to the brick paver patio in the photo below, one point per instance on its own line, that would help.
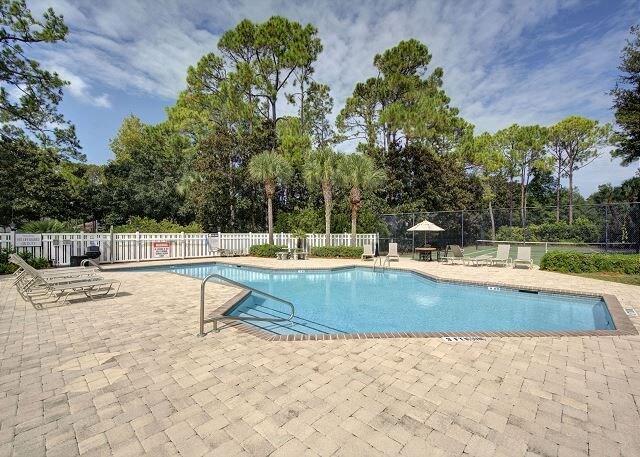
(128, 377)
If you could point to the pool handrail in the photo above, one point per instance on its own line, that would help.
(238, 318)
(384, 262)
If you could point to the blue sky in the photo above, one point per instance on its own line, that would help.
(505, 61)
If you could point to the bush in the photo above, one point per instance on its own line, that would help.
(148, 225)
(48, 225)
(506, 233)
(577, 262)
(346, 252)
(7, 267)
(581, 231)
(265, 250)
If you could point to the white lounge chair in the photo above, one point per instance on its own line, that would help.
(523, 257)
(454, 254)
(38, 287)
(367, 253)
(502, 256)
(393, 252)
(22, 275)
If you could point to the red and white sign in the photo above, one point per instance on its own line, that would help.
(160, 249)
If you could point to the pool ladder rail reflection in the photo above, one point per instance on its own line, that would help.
(215, 319)
(383, 261)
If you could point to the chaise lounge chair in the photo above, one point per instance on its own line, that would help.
(21, 274)
(524, 257)
(393, 252)
(502, 256)
(454, 254)
(38, 287)
(367, 253)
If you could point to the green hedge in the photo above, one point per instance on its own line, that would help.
(265, 250)
(577, 262)
(346, 252)
(148, 225)
(7, 267)
(581, 231)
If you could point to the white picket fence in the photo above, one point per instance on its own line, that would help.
(135, 247)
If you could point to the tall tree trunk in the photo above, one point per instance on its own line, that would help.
(510, 187)
(232, 208)
(570, 195)
(274, 116)
(354, 199)
(302, 105)
(354, 221)
(270, 217)
(493, 222)
(270, 190)
(250, 117)
(326, 193)
(523, 202)
(558, 187)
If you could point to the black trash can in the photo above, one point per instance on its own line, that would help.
(76, 260)
(92, 252)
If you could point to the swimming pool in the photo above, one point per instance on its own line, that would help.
(359, 300)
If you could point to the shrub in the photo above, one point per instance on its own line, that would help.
(346, 252)
(581, 231)
(7, 267)
(265, 250)
(148, 225)
(506, 233)
(577, 262)
(47, 225)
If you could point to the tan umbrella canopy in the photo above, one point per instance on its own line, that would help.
(426, 226)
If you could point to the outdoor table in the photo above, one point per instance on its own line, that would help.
(426, 253)
(282, 255)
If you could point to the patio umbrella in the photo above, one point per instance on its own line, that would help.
(425, 226)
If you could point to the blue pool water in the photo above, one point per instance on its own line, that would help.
(356, 300)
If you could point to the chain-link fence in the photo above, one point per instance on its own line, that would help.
(613, 227)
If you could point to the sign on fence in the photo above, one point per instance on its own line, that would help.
(160, 249)
(28, 240)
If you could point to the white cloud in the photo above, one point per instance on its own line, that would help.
(504, 60)
(79, 89)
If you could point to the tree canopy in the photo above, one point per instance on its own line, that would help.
(626, 100)
(29, 94)
(228, 149)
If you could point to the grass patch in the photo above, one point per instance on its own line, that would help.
(622, 278)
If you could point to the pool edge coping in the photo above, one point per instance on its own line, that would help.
(622, 322)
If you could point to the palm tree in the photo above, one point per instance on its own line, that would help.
(359, 173)
(321, 168)
(269, 168)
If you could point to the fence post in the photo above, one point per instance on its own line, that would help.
(413, 234)
(462, 229)
(606, 228)
(137, 246)
(111, 240)
(12, 241)
(184, 245)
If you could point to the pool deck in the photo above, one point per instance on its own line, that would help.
(127, 376)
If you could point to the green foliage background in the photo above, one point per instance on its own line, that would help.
(191, 172)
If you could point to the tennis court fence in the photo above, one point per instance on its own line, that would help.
(613, 227)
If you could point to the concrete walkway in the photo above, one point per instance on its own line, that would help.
(128, 377)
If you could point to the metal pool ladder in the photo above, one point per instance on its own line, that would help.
(384, 262)
(238, 318)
